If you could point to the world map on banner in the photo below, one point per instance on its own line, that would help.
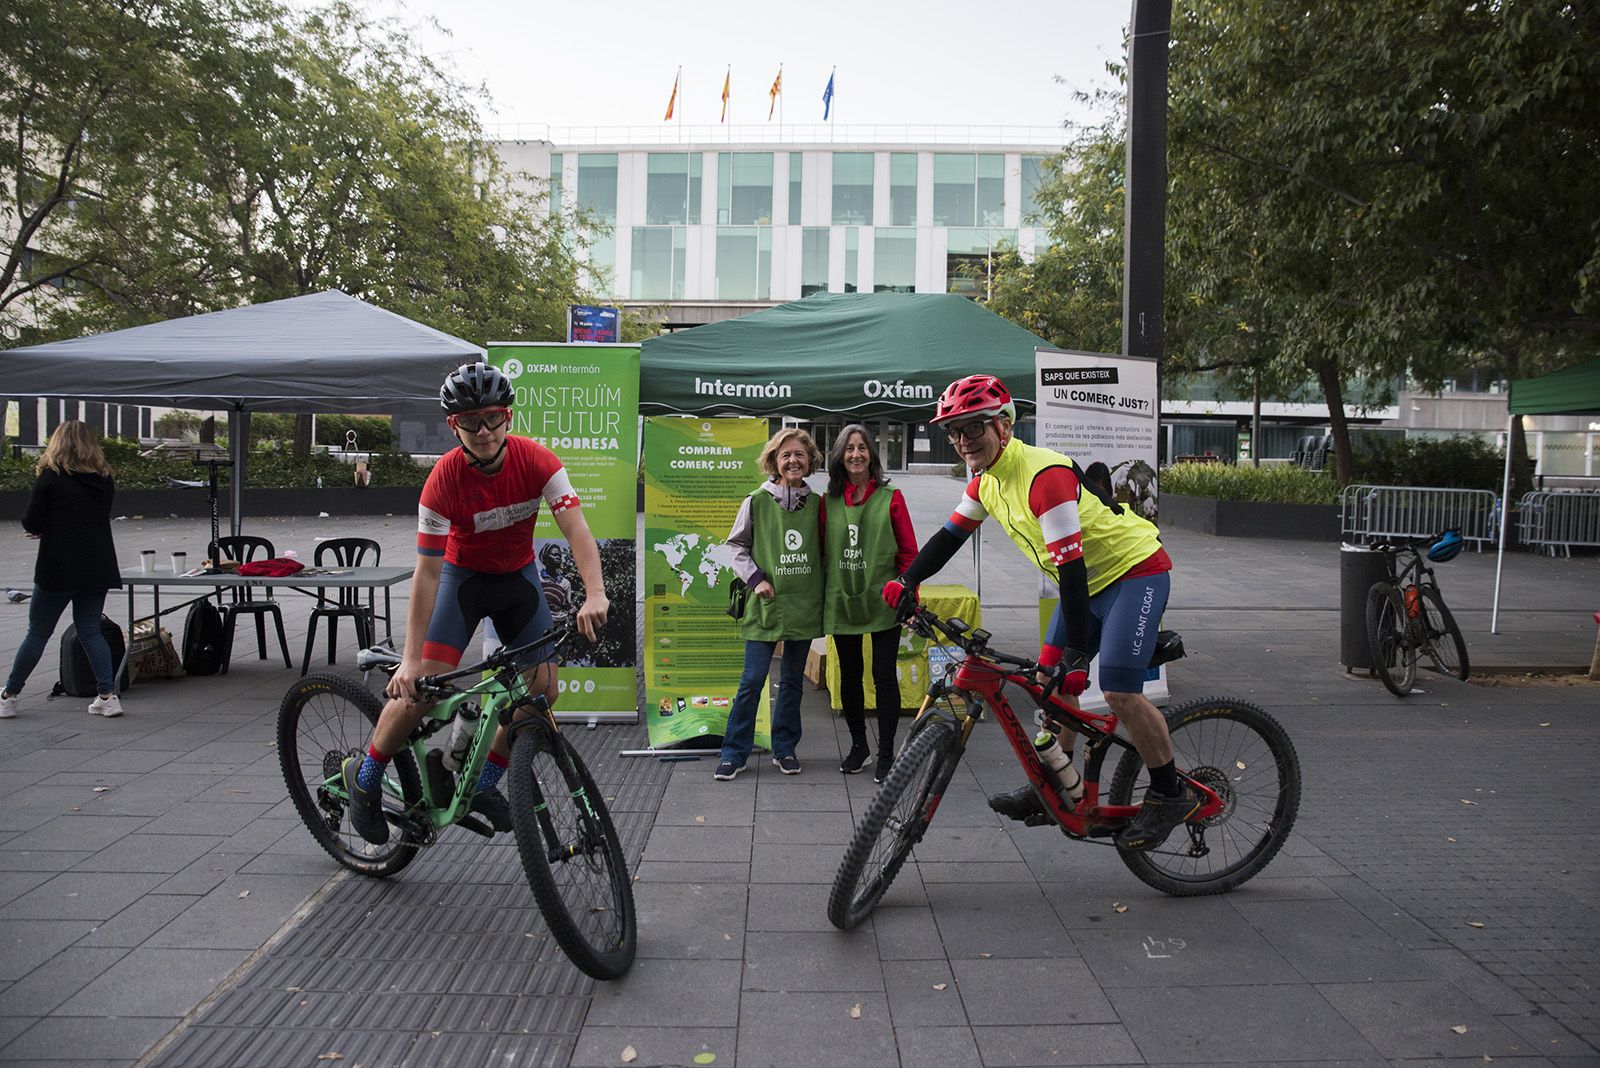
(691, 556)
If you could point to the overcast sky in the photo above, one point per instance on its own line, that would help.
(941, 62)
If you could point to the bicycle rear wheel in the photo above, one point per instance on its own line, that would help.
(571, 853)
(1446, 648)
(893, 824)
(1241, 752)
(323, 720)
(1393, 656)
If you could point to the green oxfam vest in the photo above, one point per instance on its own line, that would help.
(786, 545)
(861, 548)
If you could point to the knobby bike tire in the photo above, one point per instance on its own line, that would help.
(583, 891)
(324, 719)
(1446, 647)
(1243, 754)
(1393, 657)
(894, 822)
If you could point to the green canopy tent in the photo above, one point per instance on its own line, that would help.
(1570, 391)
(854, 354)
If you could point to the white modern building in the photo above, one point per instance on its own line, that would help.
(707, 223)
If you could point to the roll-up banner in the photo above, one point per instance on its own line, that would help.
(582, 403)
(1094, 406)
(696, 472)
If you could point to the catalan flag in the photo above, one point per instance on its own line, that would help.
(672, 100)
(727, 82)
(775, 92)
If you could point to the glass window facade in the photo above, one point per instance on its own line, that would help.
(796, 169)
(813, 260)
(597, 185)
(658, 263)
(902, 189)
(969, 190)
(852, 257)
(555, 181)
(852, 188)
(672, 189)
(968, 259)
(744, 189)
(1033, 175)
(894, 259)
(744, 263)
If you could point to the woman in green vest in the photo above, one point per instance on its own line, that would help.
(869, 540)
(776, 545)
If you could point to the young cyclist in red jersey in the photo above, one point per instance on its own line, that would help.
(1113, 575)
(475, 561)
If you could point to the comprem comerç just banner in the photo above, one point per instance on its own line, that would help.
(581, 401)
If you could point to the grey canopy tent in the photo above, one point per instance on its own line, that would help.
(320, 353)
(1571, 391)
(857, 354)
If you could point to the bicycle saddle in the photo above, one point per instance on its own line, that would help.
(381, 655)
(1169, 647)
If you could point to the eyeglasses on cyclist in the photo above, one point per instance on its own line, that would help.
(972, 431)
(472, 422)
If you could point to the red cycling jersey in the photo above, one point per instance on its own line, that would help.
(485, 522)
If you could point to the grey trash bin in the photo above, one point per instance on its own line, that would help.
(1359, 567)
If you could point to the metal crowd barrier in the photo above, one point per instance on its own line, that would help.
(1553, 520)
(1373, 513)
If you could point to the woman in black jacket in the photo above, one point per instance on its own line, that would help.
(70, 514)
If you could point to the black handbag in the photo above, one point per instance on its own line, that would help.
(738, 594)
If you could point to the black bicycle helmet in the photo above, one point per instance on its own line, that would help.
(1447, 548)
(474, 386)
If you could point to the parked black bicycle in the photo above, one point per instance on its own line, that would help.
(1406, 614)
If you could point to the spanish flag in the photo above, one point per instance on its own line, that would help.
(726, 82)
(775, 92)
(673, 99)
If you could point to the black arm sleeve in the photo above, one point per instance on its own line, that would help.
(1074, 578)
(934, 554)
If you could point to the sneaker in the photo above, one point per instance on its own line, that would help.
(789, 764)
(8, 707)
(108, 706)
(366, 806)
(1021, 804)
(493, 806)
(885, 762)
(1158, 816)
(727, 771)
(856, 759)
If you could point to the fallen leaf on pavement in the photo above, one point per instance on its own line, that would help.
(855, 1011)
(1474, 923)
(244, 893)
(330, 1056)
(629, 1054)
(1459, 1029)
(1464, 801)
(940, 986)
(1117, 906)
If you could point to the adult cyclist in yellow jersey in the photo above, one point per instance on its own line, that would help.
(1113, 574)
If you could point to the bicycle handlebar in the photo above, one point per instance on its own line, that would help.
(975, 643)
(387, 659)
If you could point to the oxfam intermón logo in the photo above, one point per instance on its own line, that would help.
(792, 540)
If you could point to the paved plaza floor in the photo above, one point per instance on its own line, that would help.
(161, 903)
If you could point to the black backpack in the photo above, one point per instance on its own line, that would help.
(202, 639)
(77, 677)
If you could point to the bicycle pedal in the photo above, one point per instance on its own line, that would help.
(1100, 830)
(476, 826)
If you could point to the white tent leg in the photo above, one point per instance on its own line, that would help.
(1500, 556)
(238, 432)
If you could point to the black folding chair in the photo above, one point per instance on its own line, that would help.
(242, 601)
(345, 601)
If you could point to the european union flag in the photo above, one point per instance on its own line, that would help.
(827, 98)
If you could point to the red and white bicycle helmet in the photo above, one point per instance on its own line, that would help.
(975, 396)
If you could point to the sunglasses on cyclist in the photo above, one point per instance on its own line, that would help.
(471, 424)
(971, 431)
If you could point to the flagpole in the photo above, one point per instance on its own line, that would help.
(678, 81)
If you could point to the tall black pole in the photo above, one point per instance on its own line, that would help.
(1145, 222)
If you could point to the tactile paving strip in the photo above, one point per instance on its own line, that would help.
(449, 963)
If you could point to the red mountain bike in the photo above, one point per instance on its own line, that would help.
(1234, 754)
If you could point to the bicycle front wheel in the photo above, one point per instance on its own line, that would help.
(1241, 753)
(893, 824)
(1446, 648)
(571, 853)
(323, 720)
(1393, 656)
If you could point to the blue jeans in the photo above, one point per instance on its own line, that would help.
(43, 613)
(740, 734)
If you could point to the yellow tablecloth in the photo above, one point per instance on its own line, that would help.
(946, 600)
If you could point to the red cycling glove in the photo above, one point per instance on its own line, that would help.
(901, 598)
(1068, 668)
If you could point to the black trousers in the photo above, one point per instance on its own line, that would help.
(885, 649)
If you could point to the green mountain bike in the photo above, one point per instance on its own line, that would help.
(565, 837)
